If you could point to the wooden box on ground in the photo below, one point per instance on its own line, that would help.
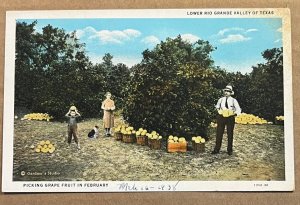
(177, 147)
(118, 136)
(142, 140)
(128, 138)
(154, 143)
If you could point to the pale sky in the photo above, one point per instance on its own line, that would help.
(239, 41)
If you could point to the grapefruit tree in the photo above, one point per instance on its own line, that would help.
(171, 90)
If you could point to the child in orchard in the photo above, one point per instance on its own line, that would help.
(72, 125)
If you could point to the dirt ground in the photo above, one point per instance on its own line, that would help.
(258, 155)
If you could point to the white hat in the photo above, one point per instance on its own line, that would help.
(73, 107)
(229, 89)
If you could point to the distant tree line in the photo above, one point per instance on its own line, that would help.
(173, 89)
(53, 71)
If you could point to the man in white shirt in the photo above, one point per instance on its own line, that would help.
(228, 108)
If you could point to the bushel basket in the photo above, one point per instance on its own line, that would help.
(199, 147)
(142, 140)
(118, 136)
(128, 138)
(154, 143)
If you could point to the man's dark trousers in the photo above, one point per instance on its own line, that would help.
(221, 123)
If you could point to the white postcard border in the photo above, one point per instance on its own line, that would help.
(8, 185)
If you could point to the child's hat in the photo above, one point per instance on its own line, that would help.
(73, 107)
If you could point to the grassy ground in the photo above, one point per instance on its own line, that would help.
(258, 155)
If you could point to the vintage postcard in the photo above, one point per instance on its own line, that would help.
(148, 100)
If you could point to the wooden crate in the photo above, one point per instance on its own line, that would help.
(118, 136)
(173, 147)
(177, 147)
(182, 147)
(142, 140)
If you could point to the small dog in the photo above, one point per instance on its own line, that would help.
(94, 133)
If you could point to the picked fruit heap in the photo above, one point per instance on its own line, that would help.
(198, 139)
(154, 135)
(177, 144)
(141, 138)
(249, 119)
(37, 116)
(280, 118)
(175, 139)
(128, 134)
(127, 130)
(118, 129)
(118, 134)
(198, 144)
(44, 147)
(226, 112)
(154, 140)
(141, 132)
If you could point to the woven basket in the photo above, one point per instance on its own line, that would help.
(154, 143)
(118, 136)
(199, 147)
(128, 138)
(142, 140)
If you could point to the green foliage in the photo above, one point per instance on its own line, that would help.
(116, 79)
(266, 86)
(240, 83)
(26, 53)
(53, 72)
(261, 91)
(171, 90)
